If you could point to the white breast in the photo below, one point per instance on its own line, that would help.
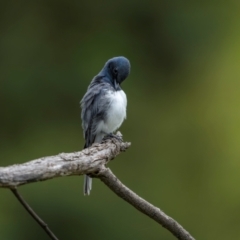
(116, 112)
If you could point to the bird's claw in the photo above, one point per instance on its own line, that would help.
(111, 135)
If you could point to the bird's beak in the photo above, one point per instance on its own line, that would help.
(116, 84)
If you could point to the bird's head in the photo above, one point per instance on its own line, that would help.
(117, 68)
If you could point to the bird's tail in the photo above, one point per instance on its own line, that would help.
(87, 187)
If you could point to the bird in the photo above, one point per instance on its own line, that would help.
(103, 107)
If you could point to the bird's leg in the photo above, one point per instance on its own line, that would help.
(111, 135)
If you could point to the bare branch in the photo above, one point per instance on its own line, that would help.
(34, 215)
(65, 164)
(90, 161)
(142, 205)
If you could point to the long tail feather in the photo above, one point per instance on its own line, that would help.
(87, 187)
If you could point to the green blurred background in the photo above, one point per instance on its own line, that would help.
(183, 114)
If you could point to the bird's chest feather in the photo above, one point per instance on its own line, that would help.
(117, 110)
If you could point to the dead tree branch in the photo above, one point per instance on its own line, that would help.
(142, 205)
(88, 161)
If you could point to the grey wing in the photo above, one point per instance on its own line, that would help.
(94, 107)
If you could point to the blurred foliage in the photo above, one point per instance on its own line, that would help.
(183, 113)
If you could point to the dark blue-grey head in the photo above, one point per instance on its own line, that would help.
(117, 69)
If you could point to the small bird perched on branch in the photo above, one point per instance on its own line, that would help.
(104, 105)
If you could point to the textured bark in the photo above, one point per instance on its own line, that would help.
(87, 161)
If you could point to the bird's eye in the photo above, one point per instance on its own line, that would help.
(115, 71)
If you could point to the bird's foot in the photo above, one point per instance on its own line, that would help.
(111, 135)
